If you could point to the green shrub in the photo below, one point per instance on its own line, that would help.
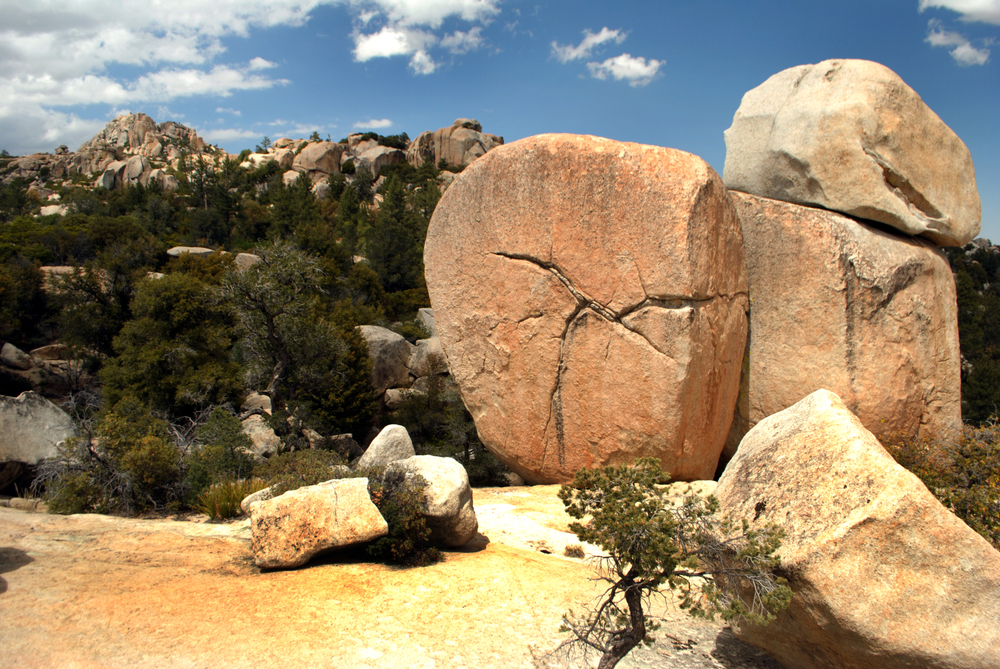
(964, 476)
(290, 471)
(347, 167)
(223, 455)
(399, 499)
(222, 500)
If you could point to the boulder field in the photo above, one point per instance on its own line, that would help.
(593, 297)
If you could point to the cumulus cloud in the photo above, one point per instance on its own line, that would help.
(228, 110)
(431, 13)
(960, 48)
(228, 134)
(637, 71)
(985, 11)
(422, 63)
(389, 42)
(373, 124)
(463, 42)
(586, 47)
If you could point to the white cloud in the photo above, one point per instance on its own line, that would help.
(373, 124)
(431, 13)
(637, 71)
(259, 63)
(228, 110)
(585, 48)
(962, 50)
(986, 11)
(463, 42)
(422, 63)
(228, 134)
(389, 42)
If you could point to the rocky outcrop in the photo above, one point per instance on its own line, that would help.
(447, 499)
(594, 319)
(390, 354)
(378, 157)
(459, 144)
(320, 159)
(265, 442)
(290, 529)
(31, 427)
(392, 443)
(851, 136)
(883, 574)
(841, 305)
(13, 357)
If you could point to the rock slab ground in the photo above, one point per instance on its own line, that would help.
(591, 299)
(851, 136)
(883, 574)
(93, 591)
(866, 313)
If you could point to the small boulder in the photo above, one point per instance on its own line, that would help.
(246, 260)
(390, 354)
(256, 403)
(177, 251)
(345, 445)
(883, 574)
(394, 397)
(31, 428)
(851, 136)
(425, 316)
(428, 358)
(13, 357)
(246, 506)
(319, 157)
(289, 530)
(265, 442)
(447, 503)
(53, 352)
(392, 443)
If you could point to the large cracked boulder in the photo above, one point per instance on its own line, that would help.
(841, 305)
(591, 299)
(883, 574)
(290, 529)
(447, 499)
(851, 136)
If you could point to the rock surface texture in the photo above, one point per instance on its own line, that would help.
(392, 443)
(447, 503)
(841, 305)
(851, 136)
(290, 529)
(31, 427)
(883, 574)
(591, 298)
(390, 354)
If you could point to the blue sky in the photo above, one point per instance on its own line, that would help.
(664, 73)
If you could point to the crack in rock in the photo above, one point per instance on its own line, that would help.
(905, 191)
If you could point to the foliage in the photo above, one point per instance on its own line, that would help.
(174, 355)
(394, 245)
(439, 424)
(290, 471)
(222, 500)
(23, 304)
(964, 476)
(399, 499)
(224, 453)
(714, 564)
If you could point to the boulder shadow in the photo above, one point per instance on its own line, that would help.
(733, 653)
(11, 559)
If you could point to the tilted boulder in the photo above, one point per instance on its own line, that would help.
(390, 354)
(392, 443)
(319, 157)
(851, 136)
(841, 305)
(591, 298)
(13, 357)
(883, 574)
(31, 428)
(447, 501)
(290, 529)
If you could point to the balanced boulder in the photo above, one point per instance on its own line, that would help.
(591, 298)
(447, 502)
(290, 529)
(883, 575)
(841, 305)
(851, 136)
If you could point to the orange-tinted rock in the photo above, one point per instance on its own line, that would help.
(863, 312)
(883, 574)
(591, 300)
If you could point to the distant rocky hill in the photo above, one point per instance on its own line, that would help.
(133, 149)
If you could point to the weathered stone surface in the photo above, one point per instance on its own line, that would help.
(53, 352)
(378, 157)
(425, 316)
(321, 157)
(13, 357)
(851, 136)
(459, 144)
(246, 506)
(290, 529)
(265, 442)
(883, 574)
(257, 403)
(590, 296)
(392, 443)
(193, 250)
(837, 304)
(31, 427)
(428, 358)
(246, 260)
(390, 354)
(394, 397)
(447, 503)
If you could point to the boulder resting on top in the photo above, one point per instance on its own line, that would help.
(392, 443)
(591, 298)
(851, 136)
(883, 574)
